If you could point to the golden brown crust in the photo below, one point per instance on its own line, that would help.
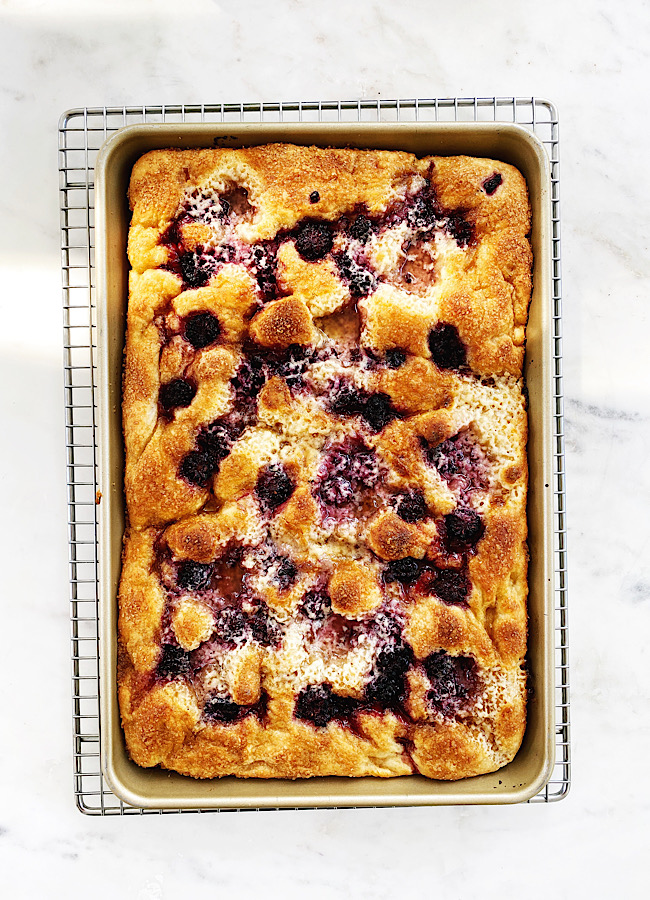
(192, 624)
(417, 386)
(141, 602)
(282, 323)
(353, 590)
(325, 566)
(390, 537)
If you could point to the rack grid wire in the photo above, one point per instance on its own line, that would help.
(81, 134)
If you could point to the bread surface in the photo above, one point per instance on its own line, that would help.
(325, 564)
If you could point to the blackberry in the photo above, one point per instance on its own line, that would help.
(273, 486)
(388, 685)
(406, 570)
(491, 184)
(316, 605)
(291, 364)
(336, 490)
(314, 240)
(202, 329)
(264, 265)
(231, 625)
(222, 709)
(250, 377)
(464, 528)
(348, 401)
(394, 359)
(177, 393)
(361, 229)
(447, 349)
(287, 573)
(216, 442)
(360, 279)
(197, 467)
(459, 228)
(174, 661)
(451, 586)
(196, 268)
(423, 211)
(453, 680)
(264, 629)
(378, 411)
(193, 576)
(412, 507)
(361, 466)
(318, 704)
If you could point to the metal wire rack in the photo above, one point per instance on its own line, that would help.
(81, 134)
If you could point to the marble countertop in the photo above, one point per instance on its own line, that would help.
(590, 58)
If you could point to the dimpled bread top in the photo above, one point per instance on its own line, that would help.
(325, 564)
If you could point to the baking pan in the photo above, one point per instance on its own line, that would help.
(156, 788)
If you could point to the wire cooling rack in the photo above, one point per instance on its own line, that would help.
(81, 134)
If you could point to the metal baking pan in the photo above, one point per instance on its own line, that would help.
(156, 788)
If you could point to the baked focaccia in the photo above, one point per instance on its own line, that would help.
(325, 565)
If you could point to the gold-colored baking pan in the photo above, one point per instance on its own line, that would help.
(532, 767)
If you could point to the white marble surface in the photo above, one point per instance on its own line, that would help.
(590, 58)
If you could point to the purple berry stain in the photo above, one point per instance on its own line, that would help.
(462, 463)
(347, 470)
